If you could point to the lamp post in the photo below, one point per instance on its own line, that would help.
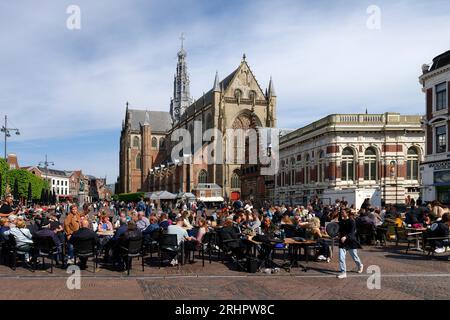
(7, 132)
(46, 163)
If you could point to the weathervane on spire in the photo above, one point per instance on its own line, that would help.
(182, 38)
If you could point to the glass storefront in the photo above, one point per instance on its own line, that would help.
(443, 194)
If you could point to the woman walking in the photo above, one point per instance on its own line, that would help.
(348, 242)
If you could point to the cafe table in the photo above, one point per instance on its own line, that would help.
(296, 246)
(417, 230)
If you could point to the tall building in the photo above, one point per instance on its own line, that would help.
(233, 103)
(181, 93)
(350, 151)
(436, 167)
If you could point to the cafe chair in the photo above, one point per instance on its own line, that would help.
(366, 232)
(168, 244)
(44, 247)
(13, 252)
(85, 248)
(132, 248)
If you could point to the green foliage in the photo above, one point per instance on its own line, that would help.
(24, 177)
(128, 197)
(3, 170)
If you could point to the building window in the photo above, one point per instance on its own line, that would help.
(348, 165)
(162, 143)
(154, 143)
(441, 139)
(321, 167)
(136, 142)
(412, 164)
(441, 96)
(235, 181)
(203, 176)
(370, 164)
(138, 161)
(307, 169)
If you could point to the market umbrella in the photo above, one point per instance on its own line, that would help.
(46, 196)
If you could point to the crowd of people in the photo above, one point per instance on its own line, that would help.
(111, 224)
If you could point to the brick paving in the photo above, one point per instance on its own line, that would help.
(411, 276)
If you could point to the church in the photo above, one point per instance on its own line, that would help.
(236, 102)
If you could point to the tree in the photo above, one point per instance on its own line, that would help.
(3, 171)
(23, 178)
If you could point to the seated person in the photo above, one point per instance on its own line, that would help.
(440, 229)
(182, 236)
(202, 230)
(268, 228)
(132, 232)
(105, 224)
(84, 233)
(51, 229)
(4, 226)
(23, 237)
(151, 229)
(313, 232)
(164, 221)
(230, 232)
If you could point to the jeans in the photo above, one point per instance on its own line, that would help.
(69, 250)
(353, 254)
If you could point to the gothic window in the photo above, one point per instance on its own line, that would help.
(154, 143)
(321, 167)
(203, 176)
(138, 161)
(136, 142)
(252, 95)
(370, 164)
(348, 164)
(162, 143)
(235, 181)
(238, 95)
(412, 164)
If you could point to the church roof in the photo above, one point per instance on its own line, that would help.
(207, 98)
(159, 121)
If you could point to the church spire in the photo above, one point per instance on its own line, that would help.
(181, 99)
(216, 87)
(271, 88)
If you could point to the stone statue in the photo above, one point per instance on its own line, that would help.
(81, 186)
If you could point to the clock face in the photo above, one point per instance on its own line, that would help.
(177, 111)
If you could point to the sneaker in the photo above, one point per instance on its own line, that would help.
(361, 268)
(321, 258)
(439, 250)
(342, 275)
(328, 260)
(70, 261)
(174, 262)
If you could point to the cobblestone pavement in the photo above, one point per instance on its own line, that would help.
(411, 276)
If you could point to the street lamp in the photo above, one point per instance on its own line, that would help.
(46, 163)
(7, 132)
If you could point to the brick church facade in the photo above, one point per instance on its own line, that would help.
(236, 102)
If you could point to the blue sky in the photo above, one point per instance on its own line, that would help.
(66, 89)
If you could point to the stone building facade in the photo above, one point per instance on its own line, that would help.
(343, 151)
(436, 167)
(232, 103)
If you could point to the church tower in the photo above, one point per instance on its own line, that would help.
(181, 94)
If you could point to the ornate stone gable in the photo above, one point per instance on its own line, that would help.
(244, 86)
